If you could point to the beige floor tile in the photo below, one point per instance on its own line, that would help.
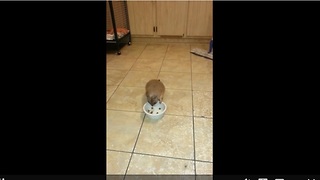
(179, 102)
(203, 168)
(201, 46)
(175, 53)
(121, 63)
(138, 78)
(114, 76)
(202, 66)
(122, 129)
(153, 55)
(110, 91)
(143, 164)
(134, 50)
(156, 47)
(176, 65)
(176, 80)
(202, 103)
(178, 51)
(117, 162)
(147, 65)
(168, 176)
(196, 57)
(203, 139)
(202, 81)
(154, 51)
(170, 136)
(110, 57)
(179, 48)
(128, 99)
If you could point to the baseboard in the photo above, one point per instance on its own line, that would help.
(204, 40)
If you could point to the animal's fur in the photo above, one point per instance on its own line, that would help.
(155, 91)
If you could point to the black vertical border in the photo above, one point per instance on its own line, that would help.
(53, 64)
(264, 88)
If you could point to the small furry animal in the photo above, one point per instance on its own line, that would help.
(155, 91)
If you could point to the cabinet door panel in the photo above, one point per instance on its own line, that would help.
(200, 18)
(141, 17)
(171, 17)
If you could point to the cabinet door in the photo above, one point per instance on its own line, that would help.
(200, 18)
(141, 17)
(171, 17)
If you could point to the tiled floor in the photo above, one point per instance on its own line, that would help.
(179, 143)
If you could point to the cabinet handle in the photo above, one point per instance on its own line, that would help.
(154, 29)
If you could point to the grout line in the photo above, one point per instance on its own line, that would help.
(145, 46)
(168, 157)
(171, 157)
(116, 85)
(166, 88)
(193, 126)
(136, 59)
(166, 113)
(194, 140)
(134, 146)
(155, 155)
(203, 161)
(107, 99)
(163, 60)
(118, 151)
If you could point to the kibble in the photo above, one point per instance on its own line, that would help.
(159, 108)
(157, 112)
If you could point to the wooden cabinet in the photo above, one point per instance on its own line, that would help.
(200, 19)
(141, 17)
(171, 18)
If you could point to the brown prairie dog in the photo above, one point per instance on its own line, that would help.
(154, 91)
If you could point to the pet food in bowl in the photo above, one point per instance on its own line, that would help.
(156, 111)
